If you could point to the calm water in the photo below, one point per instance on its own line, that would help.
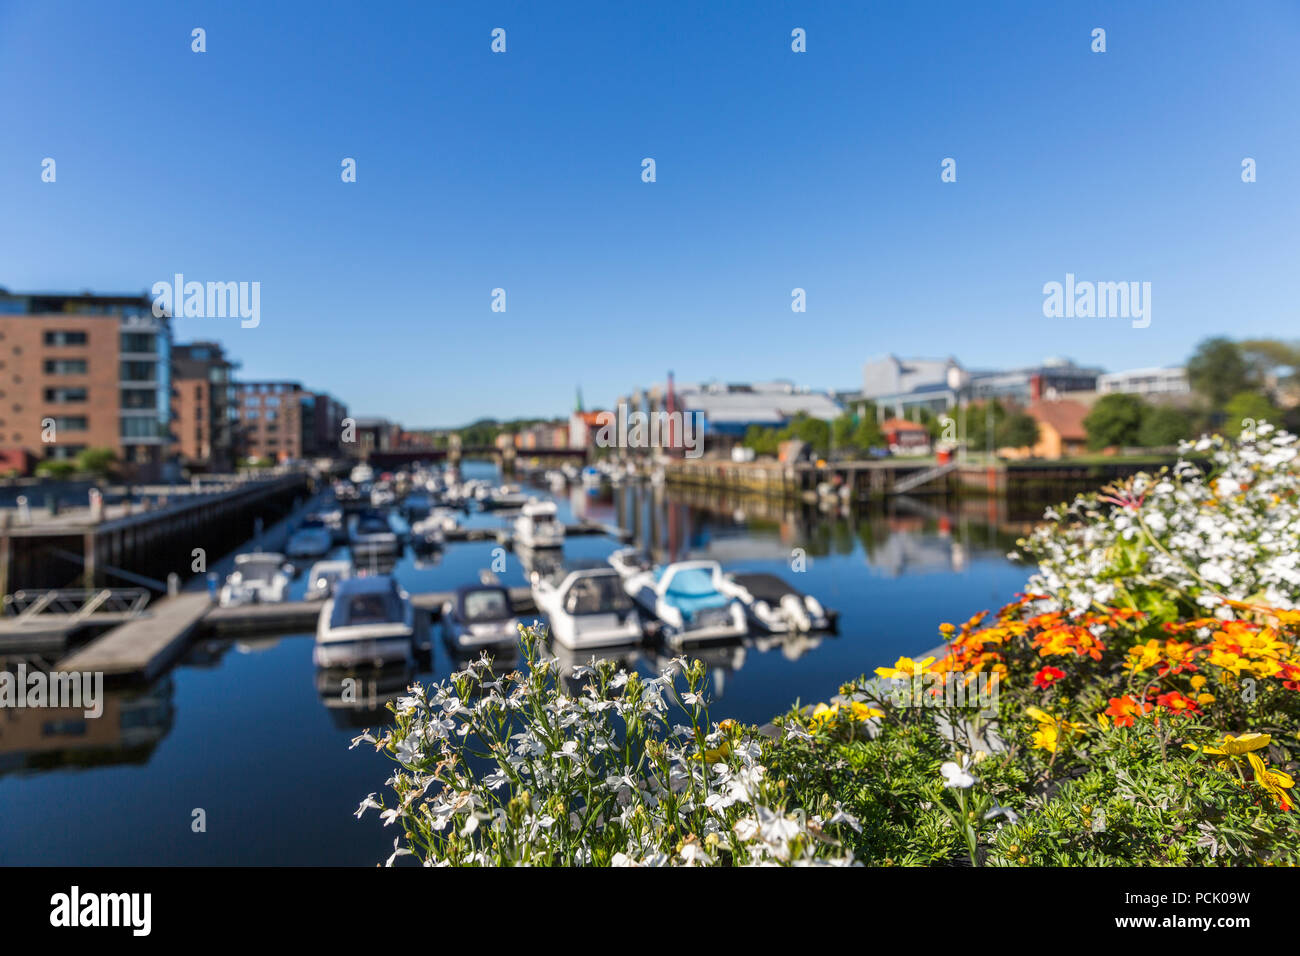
(242, 729)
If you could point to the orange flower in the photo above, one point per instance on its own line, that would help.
(1124, 709)
(1048, 676)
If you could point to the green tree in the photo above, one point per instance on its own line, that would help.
(1114, 420)
(55, 468)
(1218, 370)
(1018, 431)
(96, 461)
(1245, 408)
(1164, 425)
(977, 424)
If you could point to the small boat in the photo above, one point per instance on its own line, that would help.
(260, 577)
(362, 474)
(324, 577)
(374, 535)
(382, 495)
(369, 620)
(312, 539)
(774, 605)
(587, 608)
(538, 527)
(502, 498)
(629, 562)
(591, 478)
(689, 599)
(479, 615)
(431, 531)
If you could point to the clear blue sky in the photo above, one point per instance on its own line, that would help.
(775, 170)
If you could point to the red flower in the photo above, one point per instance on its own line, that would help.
(1048, 676)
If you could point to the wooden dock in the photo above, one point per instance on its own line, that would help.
(144, 647)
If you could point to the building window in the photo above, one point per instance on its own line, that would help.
(57, 396)
(140, 428)
(139, 371)
(70, 423)
(65, 366)
(138, 342)
(65, 338)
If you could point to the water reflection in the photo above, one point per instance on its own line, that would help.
(48, 738)
(359, 697)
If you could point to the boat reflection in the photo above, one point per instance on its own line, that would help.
(358, 697)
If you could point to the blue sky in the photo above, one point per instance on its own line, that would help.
(775, 170)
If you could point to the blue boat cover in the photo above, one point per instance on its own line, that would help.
(692, 591)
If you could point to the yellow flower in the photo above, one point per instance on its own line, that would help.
(906, 667)
(1274, 781)
(1052, 731)
(1236, 746)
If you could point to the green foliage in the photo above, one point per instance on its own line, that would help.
(1245, 409)
(1115, 420)
(1218, 370)
(1164, 426)
(56, 468)
(96, 461)
(1018, 431)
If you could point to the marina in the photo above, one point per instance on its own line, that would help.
(192, 686)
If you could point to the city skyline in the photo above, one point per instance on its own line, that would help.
(489, 171)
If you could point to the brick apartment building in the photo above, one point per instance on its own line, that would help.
(203, 407)
(282, 421)
(85, 371)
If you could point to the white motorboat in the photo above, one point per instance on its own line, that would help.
(480, 615)
(431, 531)
(362, 474)
(538, 525)
(382, 495)
(259, 577)
(774, 605)
(587, 608)
(689, 599)
(369, 620)
(629, 562)
(312, 539)
(323, 577)
(373, 534)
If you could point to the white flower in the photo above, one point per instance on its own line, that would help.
(954, 775)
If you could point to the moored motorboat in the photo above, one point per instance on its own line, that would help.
(259, 577)
(479, 615)
(323, 577)
(538, 525)
(774, 605)
(587, 607)
(369, 620)
(688, 598)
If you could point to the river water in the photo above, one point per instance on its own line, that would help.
(244, 731)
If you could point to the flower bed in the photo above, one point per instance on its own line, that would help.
(1139, 706)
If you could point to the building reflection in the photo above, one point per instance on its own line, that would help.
(128, 731)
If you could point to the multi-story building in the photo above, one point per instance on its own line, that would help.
(81, 371)
(904, 388)
(1145, 381)
(282, 421)
(204, 412)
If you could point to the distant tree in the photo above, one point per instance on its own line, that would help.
(1017, 431)
(1115, 420)
(1218, 370)
(977, 424)
(1276, 363)
(816, 432)
(96, 461)
(56, 468)
(1164, 425)
(868, 434)
(764, 441)
(1248, 407)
